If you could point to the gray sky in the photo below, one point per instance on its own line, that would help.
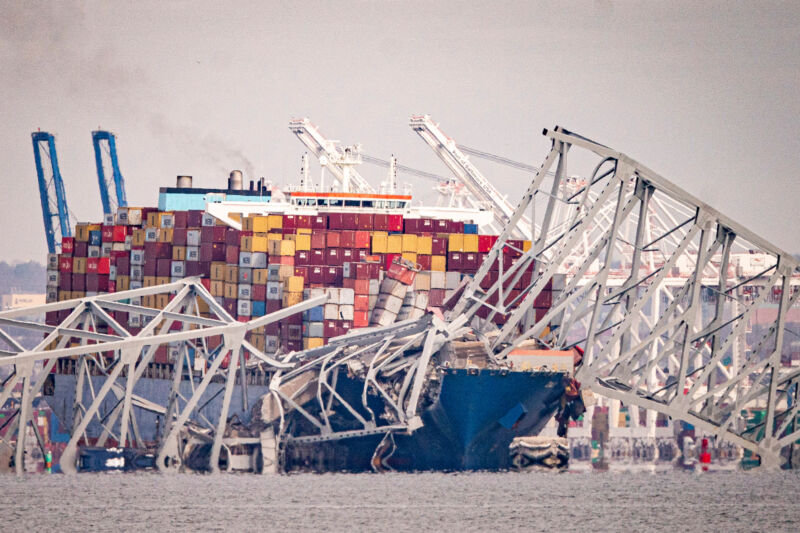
(707, 94)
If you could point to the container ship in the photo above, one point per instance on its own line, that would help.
(380, 261)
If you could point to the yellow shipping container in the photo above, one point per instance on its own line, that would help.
(285, 272)
(455, 243)
(82, 232)
(153, 222)
(394, 244)
(313, 342)
(260, 224)
(304, 231)
(162, 280)
(217, 289)
(275, 222)
(161, 301)
(149, 300)
(137, 239)
(379, 244)
(218, 270)
(178, 253)
(292, 298)
(274, 247)
(410, 256)
(165, 235)
(63, 296)
(259, 244)
(424, 245)
(290, 237)
(295, 284)
(149, 281)
(123, 283)
(259, 276)
(288, 248)
(231, 275)
(79, 265)
(409, 242)
(231, 290)
(526, 245)
(274, 236)
(439, 263)
(470, 243)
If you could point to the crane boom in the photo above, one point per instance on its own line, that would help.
(51, 192)
(116, 184)
(458, 162)
(340, 163)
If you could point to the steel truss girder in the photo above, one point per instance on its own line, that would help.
(651, 242)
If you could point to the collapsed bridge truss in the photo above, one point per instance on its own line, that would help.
(663, 312)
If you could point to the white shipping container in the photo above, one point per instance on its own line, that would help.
(108, 219)
(52, 261)
(389, 302)
(374, 287)
(245, 259)
(245, 292)
(136, 274)
(315, 329)
(258, 260)
(137, 257)
(452, 280)
(208, 220)
(94, 251)
(347, 297)
(122, 216)
(52, 278)
(118, 247)
(346, 312)
(274, 290)
(422, 281)
(112, 273)
(193, 253)
(105, 249)
(243, 307)
(134, 217)
(421, 300)
(151, 234)
(178, 269)
(331, 311)
(193, 237)
(383, 317)
(271, 343)
(333, 296)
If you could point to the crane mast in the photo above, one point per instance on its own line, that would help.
(477, 184)
(51, 192)
(112, 190)
(340, 163)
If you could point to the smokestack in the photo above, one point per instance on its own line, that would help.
(235, 182)
(184, 182)
(252, 185)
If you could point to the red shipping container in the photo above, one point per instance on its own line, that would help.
(333, 239)
(161, 250)
(258, 293)
(455, 261)
(365, 221)
(274, 305)
(380, 222)
(205, 282)
(301, 271)
(67, 244)
(374, 270)
(401, 273)
(347, 239)
(333, 275)
(303, 221)
(107, 233)
(161, 357)
(318, 240)
(424, 262)
(78, 282)
(64, 263)
(179, 236)
(149, 267)
(436, 297)
(350, 221)
(103, 265)
(230, 306)
(329, 328)
(210, 251)
(361, 270)
(180, 219)
(316, 274)
(91, 265)
(514, 248)
(335, 221)
(302, 258)
(286, 260)
(164, 267)
(96, 283)
(441, 225)
(213, 234)
(80, 249)
(289, 222)
(333, 256)
(349, 283)
(456, 226)
(360, 319)
(348, 255)
(485, 242)
(395, 222)
(194, 219)
(317, 257)
(410, 225)
(345, 326)
(232, 237)
(388, 259)
(471, 262)
(232, 255)
(197, 268)
(439, 246)
(361, 286)
(488, 280)
(544, 300)
(425, 225)
(319, 222)
(361, 240)
(361, 302)
(65, 281)
(361, 254)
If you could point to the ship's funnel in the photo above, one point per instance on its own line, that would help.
(235, 181)
(184, 182)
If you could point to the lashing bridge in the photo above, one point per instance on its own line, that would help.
(677, 308)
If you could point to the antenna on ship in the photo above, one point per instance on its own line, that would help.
(392, 174)
(305, 180)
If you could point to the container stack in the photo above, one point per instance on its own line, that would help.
(376, 268)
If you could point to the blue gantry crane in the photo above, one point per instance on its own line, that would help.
(51, 191)
(112, 189)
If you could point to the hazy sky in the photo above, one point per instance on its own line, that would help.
(707, 94)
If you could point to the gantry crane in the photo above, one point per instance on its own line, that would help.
(457, 161)
(112, 190)
(340, 163)
(51, 191)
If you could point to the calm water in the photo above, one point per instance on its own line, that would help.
(673, 501)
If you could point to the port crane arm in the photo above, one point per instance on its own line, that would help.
(51, 192)
(112, 191)
(336, 161)
(458, 162)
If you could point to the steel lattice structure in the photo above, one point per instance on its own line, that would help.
(642, 278)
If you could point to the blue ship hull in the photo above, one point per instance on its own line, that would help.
(468, 425)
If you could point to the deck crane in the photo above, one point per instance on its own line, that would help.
(112, 190)
(51, 191)
(458, 162)
(341, 163)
